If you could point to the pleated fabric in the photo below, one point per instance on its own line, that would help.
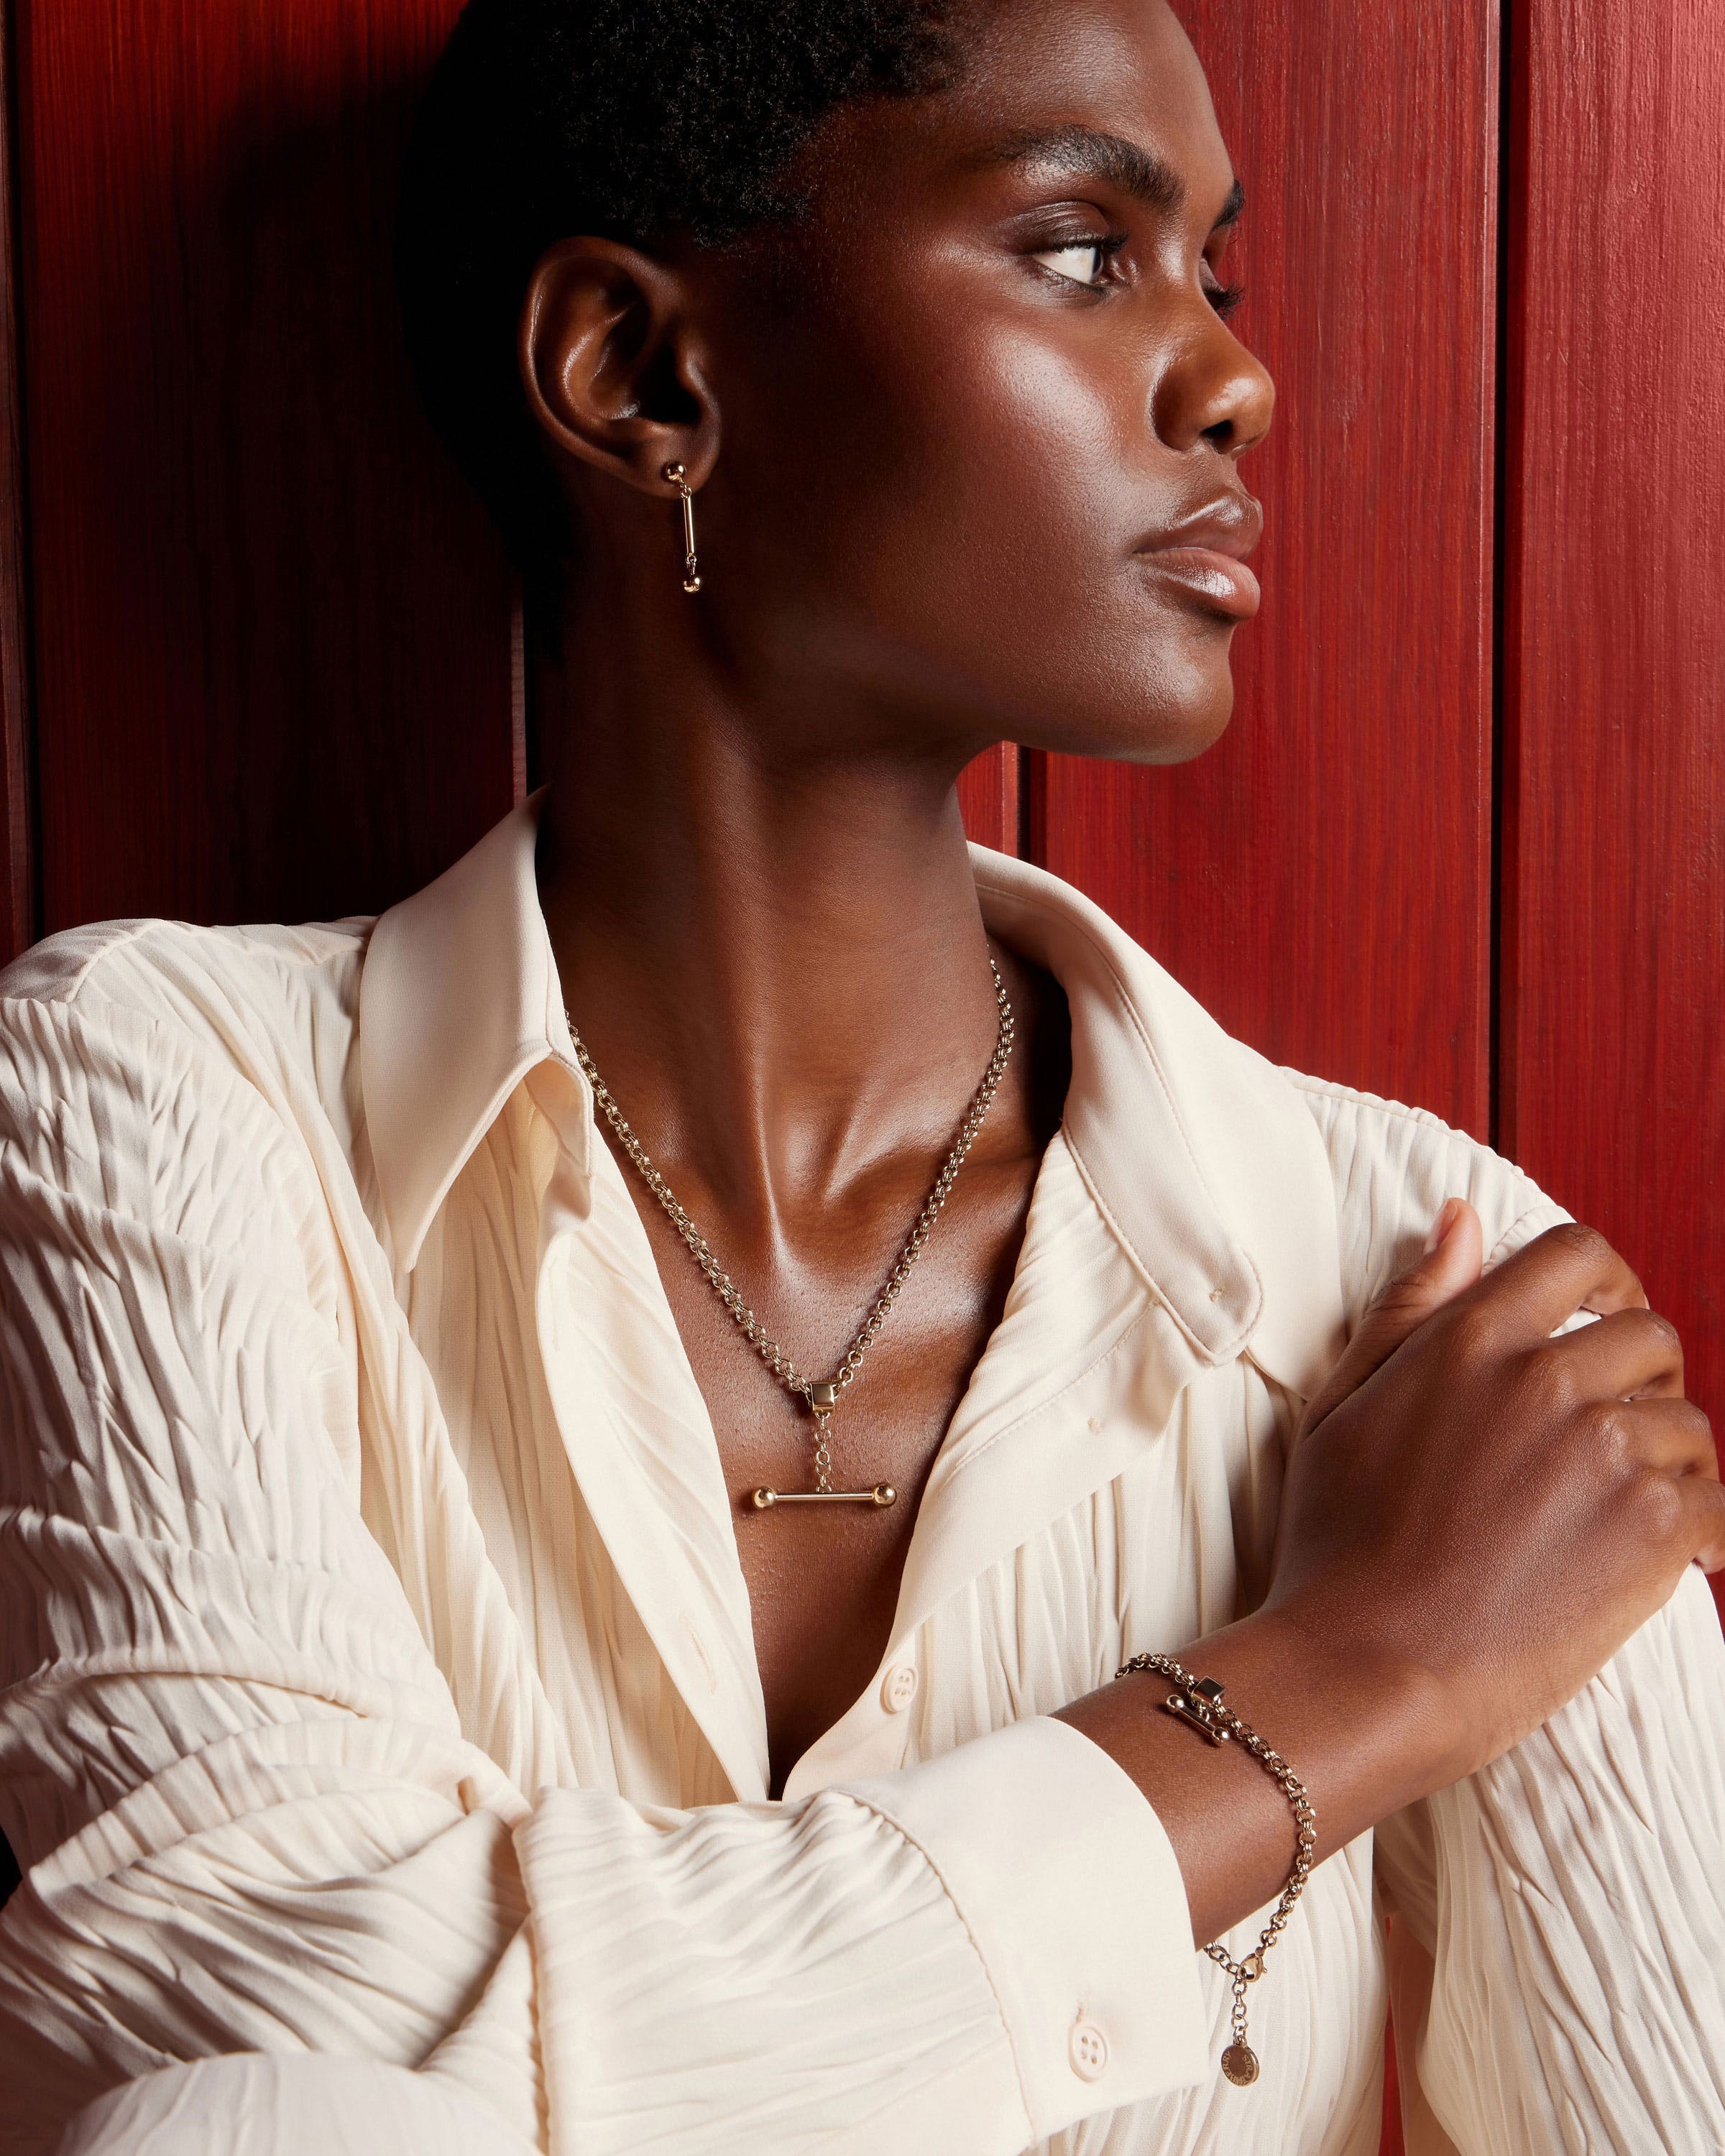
(381, 1733)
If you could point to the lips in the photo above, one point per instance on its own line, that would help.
(1204, 554)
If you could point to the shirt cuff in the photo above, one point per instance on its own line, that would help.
(1067, 1883)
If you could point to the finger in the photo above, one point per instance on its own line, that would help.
(1673, 1435)
(1569, 1268)
(1628, 1353)
(1704, 1521)
(1449, 1264)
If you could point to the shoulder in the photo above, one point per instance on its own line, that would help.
(1283, 1155)
(248, 1026)
(1392, 1165)
(166, 968)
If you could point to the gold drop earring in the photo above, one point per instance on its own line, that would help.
(679, 479)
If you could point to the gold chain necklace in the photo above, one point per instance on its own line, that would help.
(820, 1395)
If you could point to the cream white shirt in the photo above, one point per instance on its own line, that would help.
(382, 1735)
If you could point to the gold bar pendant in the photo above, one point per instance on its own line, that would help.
(883, 1493)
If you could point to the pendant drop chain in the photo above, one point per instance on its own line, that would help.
(820, 1395)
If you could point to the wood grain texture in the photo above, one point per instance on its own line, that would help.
(1321, 879)
(17, 832)
(989, 795)
(1613, 1040)
(17, 819)
(272, 631)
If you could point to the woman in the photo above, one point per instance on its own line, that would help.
(437, 1719)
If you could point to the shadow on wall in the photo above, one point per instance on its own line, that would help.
(272, 626)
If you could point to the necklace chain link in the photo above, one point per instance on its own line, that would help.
(768, 1349)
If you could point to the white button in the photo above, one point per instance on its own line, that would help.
(1095, 1422)
(899, 1688)
(1089, 2049)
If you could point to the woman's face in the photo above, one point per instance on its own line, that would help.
(981, 414)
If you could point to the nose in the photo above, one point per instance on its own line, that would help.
(1214, 390)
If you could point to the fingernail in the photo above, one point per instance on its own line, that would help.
(1441, 1226)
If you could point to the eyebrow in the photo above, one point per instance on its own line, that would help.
(1090, 151)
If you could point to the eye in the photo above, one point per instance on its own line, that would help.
(1224, 298)
(1100, 247)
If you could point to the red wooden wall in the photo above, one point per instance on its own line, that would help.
(1612, 1066)
(270, 632)
(1463, 844)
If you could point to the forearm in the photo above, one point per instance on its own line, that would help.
(1363, 1747)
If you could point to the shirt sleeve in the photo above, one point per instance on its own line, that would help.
(1562, 1985)
(1570, 1899)
(250, 1821)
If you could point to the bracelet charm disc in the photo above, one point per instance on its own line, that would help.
(1240, 2062)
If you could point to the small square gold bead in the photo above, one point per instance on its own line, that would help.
(824, 1396)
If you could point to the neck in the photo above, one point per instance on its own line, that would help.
(772, 947)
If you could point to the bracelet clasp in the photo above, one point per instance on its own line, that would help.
(1197, 1705)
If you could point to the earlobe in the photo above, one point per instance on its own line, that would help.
(602, 348)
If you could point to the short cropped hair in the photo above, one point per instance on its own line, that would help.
(640, 121)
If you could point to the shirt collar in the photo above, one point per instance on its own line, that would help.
(1201, 1156)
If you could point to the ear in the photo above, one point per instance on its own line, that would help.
(613, 365)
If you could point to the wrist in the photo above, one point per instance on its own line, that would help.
(1365, 1732)
(1385, 1722)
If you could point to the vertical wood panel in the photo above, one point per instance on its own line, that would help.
(18, 881)
(1613, 1042)
(989, 795)
(272, 632)
(1322, 878)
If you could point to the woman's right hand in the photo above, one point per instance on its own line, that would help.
(1490, 1509)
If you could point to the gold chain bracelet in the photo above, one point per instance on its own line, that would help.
(1199, 1701)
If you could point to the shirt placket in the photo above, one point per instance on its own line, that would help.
(641, 1446)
